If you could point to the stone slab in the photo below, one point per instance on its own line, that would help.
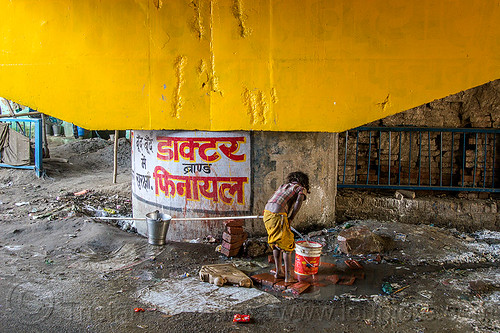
(191, 295)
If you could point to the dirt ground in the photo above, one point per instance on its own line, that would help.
(64, 271)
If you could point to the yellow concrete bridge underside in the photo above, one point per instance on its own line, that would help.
(284, 65)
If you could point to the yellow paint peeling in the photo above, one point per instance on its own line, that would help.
(237, 8)
(158, 4)
(385, 104)
(202, 67)
(274, 96)
(257, 107)
(198, 20)
(177, 101)
(262, 108)
(213, 79)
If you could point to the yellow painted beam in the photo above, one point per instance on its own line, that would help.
(289, 65)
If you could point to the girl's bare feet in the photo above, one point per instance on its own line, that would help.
(278, 275)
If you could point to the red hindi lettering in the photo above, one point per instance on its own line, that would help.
(202, 150)
(167, 148)
(163, 182)
(234, 147)
(209, 183)
(190, 144)
(233, 189)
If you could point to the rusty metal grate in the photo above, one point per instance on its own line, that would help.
(419, 158)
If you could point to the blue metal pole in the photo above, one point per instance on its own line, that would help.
(369, 158)
(345, 156)
(451, 162)
(379, 148)
(409, 163)
(463, 161)
(475, 163)
(440, 158)
(389, 162)
(38, 147)
(485, 154)
(494, 153)
(429, 145)
(419, 155)
(356, 164)
(399, 169)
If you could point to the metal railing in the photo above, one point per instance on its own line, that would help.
(32, 129)
(419, 158)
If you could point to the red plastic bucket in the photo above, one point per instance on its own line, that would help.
(307, 257)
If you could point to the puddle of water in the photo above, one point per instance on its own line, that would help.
(368, 282)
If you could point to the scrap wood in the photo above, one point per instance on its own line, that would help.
(400, 289)
(50, 212)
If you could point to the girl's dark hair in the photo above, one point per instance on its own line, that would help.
(299, 177)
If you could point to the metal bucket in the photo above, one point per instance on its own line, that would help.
(157, 224)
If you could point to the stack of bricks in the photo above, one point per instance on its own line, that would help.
(233, 237)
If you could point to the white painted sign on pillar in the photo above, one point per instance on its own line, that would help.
(186, 171)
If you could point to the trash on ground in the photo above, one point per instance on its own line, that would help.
(23, 203)
(241, 318)
(81, 193)
(400, 289)
(387, 288)
(209, 239)
(400, 237)
(110, 211)
(138, 309)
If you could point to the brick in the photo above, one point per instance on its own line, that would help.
(235, 230)
(265, 279)
(230, 253)
(333, 278)
(347, 280)
(232, 246)
(234, 238)
(299, 287)
(281, 285)
(326, 265)
(353, 264)
(234, 223)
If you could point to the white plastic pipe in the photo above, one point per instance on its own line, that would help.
(184, 218)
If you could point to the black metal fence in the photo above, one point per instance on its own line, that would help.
(418, 158)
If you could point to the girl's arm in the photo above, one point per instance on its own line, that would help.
(296, 206)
